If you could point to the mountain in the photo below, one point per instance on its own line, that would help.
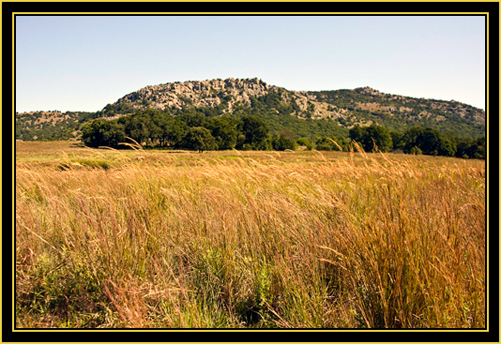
(225, 95)
(304, 113)
(362, 105)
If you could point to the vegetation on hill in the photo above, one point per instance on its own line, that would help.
(345, 108)
(50, 125)
(166, 115)
(398, 113)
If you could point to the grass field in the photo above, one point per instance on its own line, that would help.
(233, 239)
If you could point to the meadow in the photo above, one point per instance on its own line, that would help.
(232, 239)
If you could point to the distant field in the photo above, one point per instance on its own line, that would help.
(139, 239)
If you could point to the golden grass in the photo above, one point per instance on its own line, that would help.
(249, 239)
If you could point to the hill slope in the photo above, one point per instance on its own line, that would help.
(362, 106)
(304, 113)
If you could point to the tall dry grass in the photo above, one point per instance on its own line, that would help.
(254, 239)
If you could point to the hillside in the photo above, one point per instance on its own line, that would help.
(304, 113)
(362, 106)
(50, 125)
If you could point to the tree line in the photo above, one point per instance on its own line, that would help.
(418, 140)
(194, 131)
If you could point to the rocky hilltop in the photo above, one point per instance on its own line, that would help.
(363, 105)
(226, 95)
(199, 93)
(336, 110)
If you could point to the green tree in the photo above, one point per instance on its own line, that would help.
(429, 141)
(137, 126)
(200, 139)
(173, 131)
(102, 132)
(372, 138)
(193, 119)
(325, 144)
(396, 138)
(255, 131)
(469, 148)
(303, 141)
(415, 151)
(376, 138)
(356, 133)
(480, 148)
(224, 130)
(409, 139)
(282, 141)
(446, 147)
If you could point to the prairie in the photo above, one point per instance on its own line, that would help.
(159, 239)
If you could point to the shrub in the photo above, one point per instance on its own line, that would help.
(200, 138)
(282, 142)
(415, 151)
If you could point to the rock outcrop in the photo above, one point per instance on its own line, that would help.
(230, 92)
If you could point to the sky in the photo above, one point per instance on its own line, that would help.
(83, 63)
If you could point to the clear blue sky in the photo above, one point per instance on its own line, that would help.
(85, 62)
